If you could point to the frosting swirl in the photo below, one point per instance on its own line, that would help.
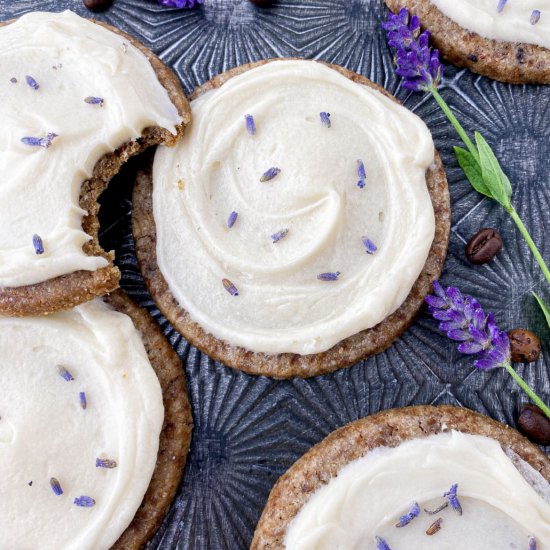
(54, 66)
(512, 24)
(45, 433)
(500, 508)
(298, 275)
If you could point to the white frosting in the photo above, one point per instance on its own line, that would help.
(512, 24)
(216, 169)
(45, 433)
(71, 59)
(500, 508)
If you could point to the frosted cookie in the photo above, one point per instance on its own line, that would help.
(95, 426)
(78, 99)
(508, 40)
(299, 223)
(421, 477)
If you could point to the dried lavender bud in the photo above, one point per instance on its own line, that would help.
(230, 287)
(414, 512)
(65, 374)
(38, 244)
(534, 424)
(250, 124)
(94, 100)
(325, 119)
(279, 235)
(434, 527)
(84, 501)
(453, 499)
(535, 17)
(381, 544)
(55, 485)
(329, 276)
(13, 80)
(270, 174)
(105, 463)
(532, 543)
(524, 345)
(32, 82)
(370, 247)
(83, 400)
(361, 174)
(39, 142)
(232, 219)
(500, 5)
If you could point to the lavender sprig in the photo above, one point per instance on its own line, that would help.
(420, 69)
(463, 320)
(179, 3)
(453, 499)
(414, 512)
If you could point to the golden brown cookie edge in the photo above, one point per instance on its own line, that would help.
(175, 437)
(385, 429)
(67, 291)
(287, 365)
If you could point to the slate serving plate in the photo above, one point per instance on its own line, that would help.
(249, 430)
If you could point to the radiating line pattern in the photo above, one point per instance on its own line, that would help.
(249, 430)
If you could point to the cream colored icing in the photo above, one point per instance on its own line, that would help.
(45, 433)
(500, 508)
(512, 24)
(216, 169)
(71, 59)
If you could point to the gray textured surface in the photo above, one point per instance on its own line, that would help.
(250, 430)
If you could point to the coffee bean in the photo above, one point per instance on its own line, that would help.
(98, 5)
(483, 246)
(524, 345)
(534, 424)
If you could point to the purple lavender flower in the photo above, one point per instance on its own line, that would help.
(250, 124)
(532, 543)
(232, 219)
(32, 82)
(270, 174)
(105, 463)
(83, 400)
(38, 244)
(230, 287)
(500, 5)
(329, 276)
(361, 174)
(39, 142)
(325, 119)
(279, 235)
(535, 17)
(92, 100)
(56, 486)
(65, 374)
(414, 512)
(417, 64)
(381, 544)
(453, 499)
(84, 501)
(179, 3)
(370, 247)
(464, 321)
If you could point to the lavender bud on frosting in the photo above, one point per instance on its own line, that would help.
(84, 501)
(361, 174)
(56, 486)
(105, 463)
(381, 544)
(38, 244)
(230, 287)
(270, 174)
(44, 142)
(83, 400)
(325, 119)
(94, 100)
(32, 82)
(329, 276)
(500, 5)
(250, 124)
(232, 219)
(279, 235)
(65, 374)
(535, 17)
(414, 512)
(370, 247)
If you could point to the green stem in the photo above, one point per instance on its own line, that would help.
(523, 385)
(530, 243)
(461, 132)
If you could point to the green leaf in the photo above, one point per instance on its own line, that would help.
(494, 178)
(471, 168)
(544, 307)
